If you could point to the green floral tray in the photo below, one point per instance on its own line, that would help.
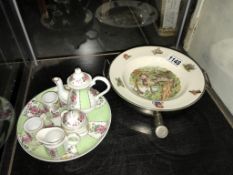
(99, 121)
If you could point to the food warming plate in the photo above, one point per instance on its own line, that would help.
(157, 78)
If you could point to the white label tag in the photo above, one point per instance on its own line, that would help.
(174, 60)
(171, 13)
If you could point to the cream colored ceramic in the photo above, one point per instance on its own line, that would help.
(74, 121)
(51, 101)
(50, 136)
(189, 74)
(56, 142)
(33, 125)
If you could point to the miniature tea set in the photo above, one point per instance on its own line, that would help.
(67, 121)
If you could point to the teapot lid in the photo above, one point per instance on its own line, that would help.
(79, 79)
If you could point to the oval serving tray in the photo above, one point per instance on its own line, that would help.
(99, 121)
(168, 63)
(124, 13)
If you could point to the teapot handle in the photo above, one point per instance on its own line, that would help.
(103, 79)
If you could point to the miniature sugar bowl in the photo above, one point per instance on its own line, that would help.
(74, 121)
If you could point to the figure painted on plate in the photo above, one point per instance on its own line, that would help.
(154, 83)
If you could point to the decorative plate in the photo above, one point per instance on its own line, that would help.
(99, 121)
(126, 14)
(7, 118)
(157, 78)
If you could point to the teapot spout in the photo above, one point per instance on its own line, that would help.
(62, 93)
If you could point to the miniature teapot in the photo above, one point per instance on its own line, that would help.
(79, 94)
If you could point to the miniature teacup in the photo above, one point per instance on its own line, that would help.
(74, 121)
(51, 101)
(34, 109)
(33, 125)
(56, 142)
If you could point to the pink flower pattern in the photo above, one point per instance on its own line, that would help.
(6, 110)
(73, 98)
(85, 77)
(26, 139)
(34, 108)
(5, 114)
(53, 152)
(100, 129)
(81, 117)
